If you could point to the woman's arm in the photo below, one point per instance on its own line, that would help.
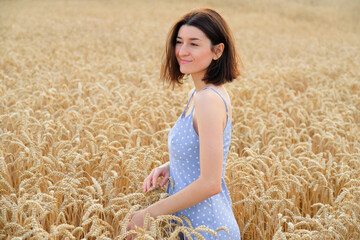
(210, 117)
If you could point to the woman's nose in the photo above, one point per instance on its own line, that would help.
(183, 51)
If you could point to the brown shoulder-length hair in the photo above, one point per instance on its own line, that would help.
(220, 71)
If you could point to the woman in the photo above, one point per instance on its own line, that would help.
(199, 44)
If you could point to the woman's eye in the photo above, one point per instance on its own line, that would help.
(178, 42)
(194, 44)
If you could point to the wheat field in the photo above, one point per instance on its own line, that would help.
(84, 117)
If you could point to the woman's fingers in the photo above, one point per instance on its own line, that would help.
(152, 179)
(130, 237)
(145, 183)
(130, 225)
(165, 179)
(148, 182)
(155, 177)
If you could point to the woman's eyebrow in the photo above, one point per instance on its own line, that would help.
(190, 38)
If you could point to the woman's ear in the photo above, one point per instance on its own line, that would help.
(218, 50)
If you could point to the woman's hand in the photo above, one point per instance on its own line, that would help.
(151, 180)
(136, 220)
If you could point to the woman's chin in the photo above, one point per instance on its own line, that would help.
(185, 72)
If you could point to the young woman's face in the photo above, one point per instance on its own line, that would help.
(193, 51)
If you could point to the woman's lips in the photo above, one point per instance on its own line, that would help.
(182, 61)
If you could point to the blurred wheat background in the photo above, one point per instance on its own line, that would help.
(84, 117)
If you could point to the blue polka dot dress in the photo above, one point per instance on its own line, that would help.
(183, 144)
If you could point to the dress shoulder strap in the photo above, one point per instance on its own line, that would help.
(188, 102)
(219, 95)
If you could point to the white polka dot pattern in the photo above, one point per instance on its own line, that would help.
(216, 211)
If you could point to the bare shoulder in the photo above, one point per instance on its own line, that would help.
(208, 101)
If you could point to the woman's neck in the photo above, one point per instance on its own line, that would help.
(198, 82)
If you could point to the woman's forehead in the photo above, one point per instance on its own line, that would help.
(191, 32)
